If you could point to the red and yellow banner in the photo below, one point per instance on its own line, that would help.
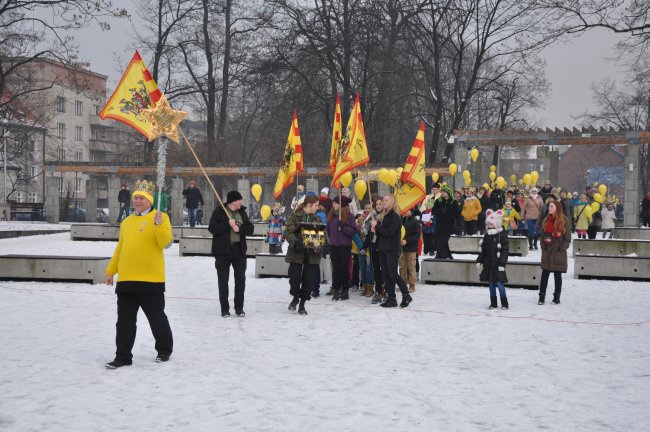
(412, 189)
(135, 92)
(292, 162)
(353, 151)
(336, 136)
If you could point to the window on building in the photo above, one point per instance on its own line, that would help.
(33, 170)
(78, 133)
(60, 104)
(97, 157)
(78, 156)
(78, 185)
(97, 109)
(19, 197)
(60, 127)
(32, 197)
(32, 145)
(79, 108)
(60, 155)
(96, 132)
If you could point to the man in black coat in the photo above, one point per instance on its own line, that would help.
(193, 198)
(124, 197)
(229, 231)
(445, 212)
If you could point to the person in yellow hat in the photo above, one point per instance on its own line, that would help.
(140, 265)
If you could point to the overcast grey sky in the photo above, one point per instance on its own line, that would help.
(572, 67)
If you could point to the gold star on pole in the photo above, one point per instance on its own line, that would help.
(164, 120)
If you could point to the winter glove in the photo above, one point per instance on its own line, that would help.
(502, 268)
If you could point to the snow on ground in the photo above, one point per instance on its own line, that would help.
(444, 364)
(31, 226)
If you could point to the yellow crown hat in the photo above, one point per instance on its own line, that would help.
(144, 189)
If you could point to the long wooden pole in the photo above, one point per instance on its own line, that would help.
(205, 173)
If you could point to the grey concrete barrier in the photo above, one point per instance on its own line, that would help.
(53, 268)
(270, 265)
(106, 232)
(261, 228)
(611, 267)
(464, 272)
(632, 233)
(27, 233)
(198, 245)
(611, 247)
(469, 245)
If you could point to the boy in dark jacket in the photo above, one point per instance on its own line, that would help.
(229, 231)
(493, 257)
(303, 259)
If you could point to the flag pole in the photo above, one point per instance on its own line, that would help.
(162, 162)
(204, 173)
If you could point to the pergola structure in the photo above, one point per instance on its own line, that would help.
(548, 138)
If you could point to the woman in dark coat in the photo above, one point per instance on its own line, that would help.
(493, 257)
(389, 236)
(556, 239)
(445, 212)
(339, 234)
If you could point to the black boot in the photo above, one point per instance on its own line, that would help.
(345, 295)
(541, 299)
(530, 244)
(406, 300)
(389, 303)
(294, 303)
(330, 292)
(556, 299)
(493, 302)
(535, 243)
(301, 308)
(336, 296)
(504, 303)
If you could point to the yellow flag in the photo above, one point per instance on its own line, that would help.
(354, 149)
(412, 189)
(135, 92)
(336, 137)
(292, 163)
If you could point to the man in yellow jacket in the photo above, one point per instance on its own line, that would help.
(139, 262)
(471, 210)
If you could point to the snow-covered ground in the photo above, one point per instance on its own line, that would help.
(31, 226)
(444, 364)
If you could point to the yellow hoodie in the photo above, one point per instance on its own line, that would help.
(139, 252)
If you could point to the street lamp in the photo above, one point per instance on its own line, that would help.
(5, 134)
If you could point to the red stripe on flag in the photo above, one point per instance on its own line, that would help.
(155, 96)
(337, 117)
(147, 75)
(411, 160)
(296, 132)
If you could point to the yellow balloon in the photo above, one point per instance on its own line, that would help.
(393, 176)
(399, 171)
(595, 206)
(403, 232)
(256, 190)
(435, 176)
(589, 211)
(493, 168)
(473, 154)
(598, 197)
(602, 189)
(501, 182)
(493, 175)
(453, 168)
(360, 188)
(468, 181)
(382, 175)
(443, 184)
(265, 212)
(466, 174)
(513, 178)
(486, 186)
(521, 182)
(534, 176)
(527, 179)
(346, 179)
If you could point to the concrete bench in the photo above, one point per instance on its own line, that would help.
(270, 265)
(469, 245)
(53, 268)
(611, 267)
(105, 232)
(464, 272)
(611, 247)
(26, 233)
(632, 233)
(197, 245)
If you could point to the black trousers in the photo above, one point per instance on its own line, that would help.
(153, 306)
(557, 276)
(389, 269)
(442, 247)
(592, 232)
(355, 270)
(375, 258)
(340, 256)
(238, 262)
(428, 243)
(471, 227)
(302, 278)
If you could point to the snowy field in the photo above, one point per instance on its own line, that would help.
(444, 364)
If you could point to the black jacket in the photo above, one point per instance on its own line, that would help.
(497, 200)
(220, 229)
(412, 228)
(445, 212)
(389, 232)
(124, 197)
(494, 254)
(193, 198)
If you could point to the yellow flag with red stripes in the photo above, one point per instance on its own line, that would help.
(292, 162)
(411, 189)
(353, 151)
(336, 136)
(135, 92)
